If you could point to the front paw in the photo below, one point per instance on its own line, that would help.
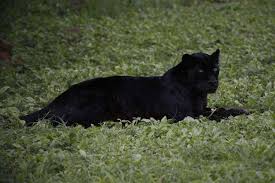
(223, 113)
(236, 111)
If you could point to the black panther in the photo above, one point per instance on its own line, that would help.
(181, 91)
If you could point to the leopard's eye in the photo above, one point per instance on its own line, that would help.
(201, 71)
(215, 69)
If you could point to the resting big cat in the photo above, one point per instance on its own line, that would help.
(181, 91)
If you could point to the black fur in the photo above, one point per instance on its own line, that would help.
(180, 92)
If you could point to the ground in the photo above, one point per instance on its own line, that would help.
(56, 45)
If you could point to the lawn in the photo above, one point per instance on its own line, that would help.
(57, 44)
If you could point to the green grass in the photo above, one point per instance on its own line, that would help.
(60, 46)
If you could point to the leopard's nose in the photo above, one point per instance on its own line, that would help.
(213, 83)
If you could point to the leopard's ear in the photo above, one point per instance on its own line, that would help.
(216, 56)
(185, 57)
(186, 60)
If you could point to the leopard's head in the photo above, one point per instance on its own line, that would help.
(200, 71)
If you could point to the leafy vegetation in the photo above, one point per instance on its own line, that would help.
(59, 44)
